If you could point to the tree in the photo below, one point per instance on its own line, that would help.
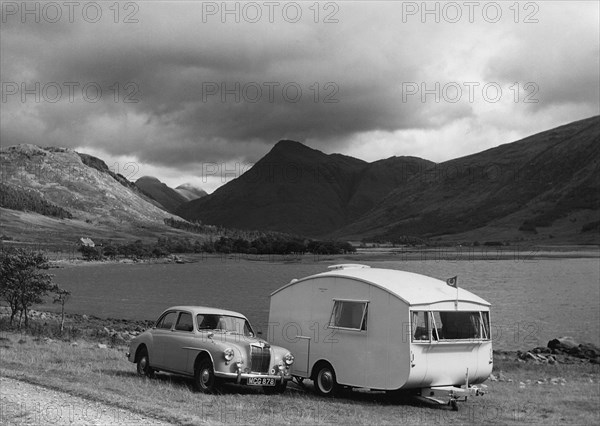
(22, 284)
(62, 296)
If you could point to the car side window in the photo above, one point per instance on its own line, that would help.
(167, 320)
(184, 323)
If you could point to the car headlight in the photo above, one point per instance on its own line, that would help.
(288, 359)
(228, 354)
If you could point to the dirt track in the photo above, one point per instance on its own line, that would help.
(22, 403)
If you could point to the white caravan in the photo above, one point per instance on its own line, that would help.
(384, 329)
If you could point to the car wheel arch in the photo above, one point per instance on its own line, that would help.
(138, 352)
(202, 355)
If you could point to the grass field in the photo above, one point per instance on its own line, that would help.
(525, 393)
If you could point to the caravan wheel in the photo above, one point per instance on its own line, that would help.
(325, 381)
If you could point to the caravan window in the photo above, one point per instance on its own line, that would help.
(456, 325)
(349, 314)
(420, 325)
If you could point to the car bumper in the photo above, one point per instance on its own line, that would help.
(239, 376)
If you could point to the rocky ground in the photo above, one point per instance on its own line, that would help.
(106, 331)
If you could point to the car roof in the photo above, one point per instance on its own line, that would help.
(195, 310)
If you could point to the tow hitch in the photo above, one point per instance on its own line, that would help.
(450, 395)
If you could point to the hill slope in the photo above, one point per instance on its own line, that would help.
(545, 185)
(300, 190)
(96, 200)
(168, 198)
(190, 192)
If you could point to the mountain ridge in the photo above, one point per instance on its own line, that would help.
(292, 184)
(521, 190)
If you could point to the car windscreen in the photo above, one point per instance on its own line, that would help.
(224, 323)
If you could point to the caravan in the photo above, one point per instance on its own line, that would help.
(383, 329)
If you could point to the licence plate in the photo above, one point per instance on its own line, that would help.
(261, 381)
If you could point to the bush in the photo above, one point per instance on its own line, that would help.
(22, 283)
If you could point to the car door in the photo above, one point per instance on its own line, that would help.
(161, 335)
(181, 337)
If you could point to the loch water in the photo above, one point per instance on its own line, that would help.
(533, 300)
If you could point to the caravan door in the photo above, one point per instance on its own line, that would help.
(301, 356)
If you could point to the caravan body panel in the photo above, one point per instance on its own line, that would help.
(362, 321)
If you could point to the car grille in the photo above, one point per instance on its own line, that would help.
(260, 359)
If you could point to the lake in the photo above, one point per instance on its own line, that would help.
(533, 300)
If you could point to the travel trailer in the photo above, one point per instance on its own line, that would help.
(384, 329)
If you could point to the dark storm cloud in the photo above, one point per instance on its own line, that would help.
(177, 91)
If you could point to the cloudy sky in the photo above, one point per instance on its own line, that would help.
(198, 91)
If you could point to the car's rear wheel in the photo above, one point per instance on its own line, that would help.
(278, 388)
(204, 377)
(143, 364)
(325, 381)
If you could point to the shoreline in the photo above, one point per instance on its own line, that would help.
(118, 332)
(448, 254)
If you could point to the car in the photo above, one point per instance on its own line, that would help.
(212, 346)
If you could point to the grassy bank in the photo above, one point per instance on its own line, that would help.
(91, 363)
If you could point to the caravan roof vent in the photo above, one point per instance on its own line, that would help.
(348, 266)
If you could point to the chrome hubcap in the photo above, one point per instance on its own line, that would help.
(326, 380)
(205, 376)
(143, 363)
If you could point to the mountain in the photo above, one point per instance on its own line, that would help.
(168, 198)
(58, 195)
(190, 192)
(300, 190)
(545, 186)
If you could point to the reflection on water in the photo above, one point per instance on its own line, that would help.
(532, 300)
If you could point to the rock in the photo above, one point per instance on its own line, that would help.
(74, 344)
(102, 346)
(85, 317)
(589, 350)
(541, 350)
(529, 356)
(563, 343)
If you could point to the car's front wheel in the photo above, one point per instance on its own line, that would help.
(204, 377)
(143, 364)
(325, 381)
